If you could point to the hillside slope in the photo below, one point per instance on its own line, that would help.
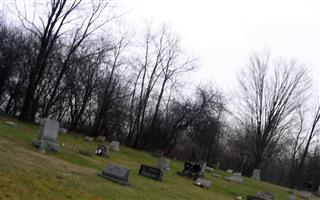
(26, 173)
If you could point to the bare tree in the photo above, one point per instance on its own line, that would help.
(309, 137)
(61, 14)
(267, 102)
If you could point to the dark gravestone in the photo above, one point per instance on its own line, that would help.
(251, 197)
(193, 170)
(262, 196)
(102, 150)
(116, 173)
(151, 172)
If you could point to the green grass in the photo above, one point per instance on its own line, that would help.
(26, 173)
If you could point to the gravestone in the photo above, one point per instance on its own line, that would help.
(101, 138)
(47, 137)
(191, 170)
(256, 174)
(266, 195)
(237, 173)
(252, 197)
(230, 171)
(89, 139)
(292, 197)
(306, 195)
(236, 177)
(114, 146)
(116, 173)
(102, 150)
(63, 130)
(217, 166)
(203, 183)
(216, 175)
(164, 163)
(151, 172)
(157, 153)
(10, 123)
(85, 153)
(203, 167)
(209, 169)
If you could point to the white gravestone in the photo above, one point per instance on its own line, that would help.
(114, 146)
(256, 174)
(203, 183)
(164, 163)
(203, 167)
(230, 171)
(236, 177)
(48, 132)
(10, 123)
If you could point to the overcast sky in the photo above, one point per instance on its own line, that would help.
(223, 33)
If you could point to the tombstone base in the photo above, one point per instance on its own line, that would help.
(256, 178)
(116, 180)
(46, 145)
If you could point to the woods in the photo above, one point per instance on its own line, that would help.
(132, 88)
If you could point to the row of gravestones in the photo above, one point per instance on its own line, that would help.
(47, 140)
(48, 133)
(120, 174)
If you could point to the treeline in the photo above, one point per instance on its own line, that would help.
(131, 88)
(104, 84)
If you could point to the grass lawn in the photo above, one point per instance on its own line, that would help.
(26, 173)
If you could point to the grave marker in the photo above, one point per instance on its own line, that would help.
(151, 172)
(47, 137)
(101, 138)
(10, 123)
(164, 163)
(114, 146)
(256, 174)
(116, 173)
(236, 177)
(203, 183)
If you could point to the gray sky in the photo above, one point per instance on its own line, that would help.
(223, 33)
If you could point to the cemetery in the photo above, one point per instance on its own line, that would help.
(75, 172)
(131, 100)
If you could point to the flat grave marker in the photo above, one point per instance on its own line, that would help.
(203, 183)
(116, 173)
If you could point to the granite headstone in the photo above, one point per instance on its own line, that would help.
(47, 137)
(164, 163)
(116, 173)
(151, 172)
(114, 146)
(256, 174)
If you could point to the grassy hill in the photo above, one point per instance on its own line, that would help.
(26, 173)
